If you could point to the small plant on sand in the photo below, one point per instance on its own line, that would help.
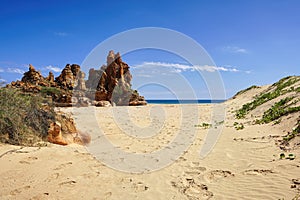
(291, 156)
(203, 125)
(238, 126)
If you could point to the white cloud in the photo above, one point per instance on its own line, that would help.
(2, 80)
(235, 49)
(55, 69)
(61, 34)
(15, 70)
(1, 70)
(177, 68)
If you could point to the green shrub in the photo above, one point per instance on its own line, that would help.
(23, 118)
(50, 91)
(238, 126)
(204, 125)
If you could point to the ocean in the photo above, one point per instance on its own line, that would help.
(185, 101)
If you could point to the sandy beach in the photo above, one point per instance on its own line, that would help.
(244, 164)
(150, 100)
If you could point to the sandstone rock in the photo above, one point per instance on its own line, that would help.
(66, 79)
(114, 82)
(71, 78)
(50, 77)
(33, 77)
(80, 81)
(64, 132)
(94, 77)
(102, 104)
(55, 135)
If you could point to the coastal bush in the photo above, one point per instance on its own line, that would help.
(24, 120)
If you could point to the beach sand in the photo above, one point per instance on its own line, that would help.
(243, 164)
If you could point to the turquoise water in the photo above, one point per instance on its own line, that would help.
(177, 101)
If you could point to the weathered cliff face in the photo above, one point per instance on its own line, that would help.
(110, 84)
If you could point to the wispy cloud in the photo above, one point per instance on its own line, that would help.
(2, 80)
(61, 34)
(1, 70)
(55, 69)
(235, 49)
(15, 70)
(177, 68)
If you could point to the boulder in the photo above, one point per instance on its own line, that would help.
(55, 135)
(102, 103)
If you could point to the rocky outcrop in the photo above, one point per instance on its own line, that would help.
(111, 83)
(114, 82)
(33, 77)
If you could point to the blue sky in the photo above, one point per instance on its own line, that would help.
(251, 42)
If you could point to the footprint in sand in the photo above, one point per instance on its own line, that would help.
(192, 188)
(258, 172)
(62, 166)
(19, 190)
(217, 174)
(138, 186)
(195, 169)
(28, 159)
(67, 183)
(53, 177)
(107, 195)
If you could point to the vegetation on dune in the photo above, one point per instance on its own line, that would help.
(238, 126)
(24, 119)
(204, 125)
(264, 97)
(245, 90)
(281, 108)
(278, 110)
(295, 132)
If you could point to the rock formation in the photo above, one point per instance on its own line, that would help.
(111, 83)
(114, 84)
(33, 77)
(54, 134)
(64, 132)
